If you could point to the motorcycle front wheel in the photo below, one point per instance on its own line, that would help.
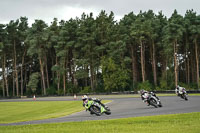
(95, 110)
(153, 102)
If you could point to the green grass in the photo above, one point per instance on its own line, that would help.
(176, 123)
(194, 94)
(36, 110)
(26, 111)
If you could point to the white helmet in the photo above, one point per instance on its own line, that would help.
(84, 97)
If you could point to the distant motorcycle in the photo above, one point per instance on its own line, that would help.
(183, 94)
(96, 107)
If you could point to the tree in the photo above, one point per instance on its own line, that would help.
(125, 35)
(86, 37)
(33, 82)
(12, 29)
(22, 29)
(2, 57)
(37, 46)
(193, 25)
(173, 33)
(114, 77)
(140, 31)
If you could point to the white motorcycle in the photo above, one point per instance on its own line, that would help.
(183, 94)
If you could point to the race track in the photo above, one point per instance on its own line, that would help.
(130, 107)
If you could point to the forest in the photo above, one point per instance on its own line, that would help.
(99, 54)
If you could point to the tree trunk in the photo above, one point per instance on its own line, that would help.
(197, 63)
(142, 50)
(58, 83)
(86, 79)
(92, 75)
(15, 69)
(70, 71)
(187, 68)
(47, 74)
(175, 63)
(134, 65)
(58, 76)
(192, 61)
(154, 64)
(5, 76)
(25, 79)
(42, 74)
(64, 75)
(13, 74)
(3, 73)
(22, 81)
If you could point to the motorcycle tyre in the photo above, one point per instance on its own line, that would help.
(94, 112)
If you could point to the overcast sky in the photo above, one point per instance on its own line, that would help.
(66, 9)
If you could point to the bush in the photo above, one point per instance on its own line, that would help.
(86, 90)
(51, 90)
(145, 86)
(163, 85)
(191, 86)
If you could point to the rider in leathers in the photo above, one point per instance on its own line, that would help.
(85, 99)
(144, 96)
(179, 90)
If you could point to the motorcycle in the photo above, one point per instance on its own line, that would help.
(183, 94)
(153, 100)
(96, 107)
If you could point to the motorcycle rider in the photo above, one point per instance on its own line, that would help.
(179, 90)
(85, 99)
(144, 96)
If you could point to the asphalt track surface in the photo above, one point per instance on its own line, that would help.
(127, 107)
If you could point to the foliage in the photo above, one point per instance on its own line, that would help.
(163, 85)
(86, 90)
(101, 53)
(115, 78)
(33, 82)
(52, 91)
(145, 86)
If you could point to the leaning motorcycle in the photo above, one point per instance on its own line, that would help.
(153, 100)
(183, 94)
(96, 107)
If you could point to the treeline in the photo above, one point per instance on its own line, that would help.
(98, 54)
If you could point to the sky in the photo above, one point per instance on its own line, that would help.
(66, 9)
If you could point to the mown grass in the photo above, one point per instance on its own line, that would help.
(36, 110)
(175, 123)
(27, 111)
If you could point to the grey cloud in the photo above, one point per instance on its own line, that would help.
(48, 9)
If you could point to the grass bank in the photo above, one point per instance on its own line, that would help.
(175, 123)
(26, 111)
(36, 110)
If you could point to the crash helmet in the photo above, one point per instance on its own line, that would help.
(177, 86)
(142, 91)
(84, 97)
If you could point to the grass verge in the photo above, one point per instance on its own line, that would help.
(175, 123)
(26, 111)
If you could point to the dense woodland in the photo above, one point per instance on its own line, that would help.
(99, 54)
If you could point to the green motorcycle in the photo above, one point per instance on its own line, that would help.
(96, 107)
